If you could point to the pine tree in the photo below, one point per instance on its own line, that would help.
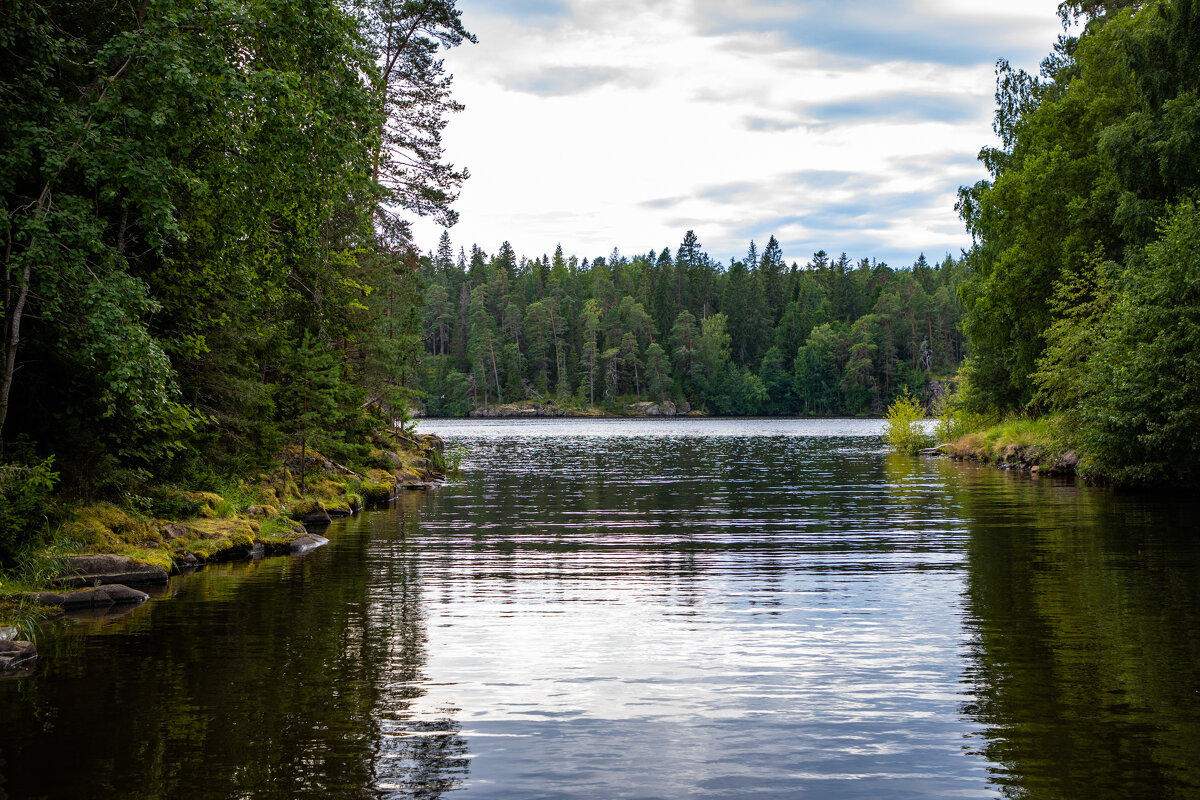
(770, 278)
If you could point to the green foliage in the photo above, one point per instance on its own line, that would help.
(25, 498)
(905, 430)
(186, 186)
(744, 340)
(1094, 152)
(1082, 298)
(1138, 416)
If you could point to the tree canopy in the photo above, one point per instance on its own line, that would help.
(1082, 234)
(190, 195)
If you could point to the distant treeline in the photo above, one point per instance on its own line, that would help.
(752, 337)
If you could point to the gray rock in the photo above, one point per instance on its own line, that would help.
(430, 441)
(317, 519)
(305, 543)
(173, 530)
(666, 409)
(107, 569)
(1067, 462)
(931, 452)
(8, 634)
(109, 595)
(16, 655)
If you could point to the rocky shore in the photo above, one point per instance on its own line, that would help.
(121, 553)
(1031, 458)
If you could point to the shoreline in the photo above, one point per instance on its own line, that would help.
(108, 555)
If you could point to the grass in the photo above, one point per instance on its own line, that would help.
(1025, 439)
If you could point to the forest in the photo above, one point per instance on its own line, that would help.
(1083, 301)
(754, 337)
(205, 213)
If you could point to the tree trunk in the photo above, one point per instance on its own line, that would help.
(12, 340)
(495, 372)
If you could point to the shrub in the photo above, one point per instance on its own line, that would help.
(24, 497)
(905, 425)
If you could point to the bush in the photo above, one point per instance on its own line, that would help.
(905, 425)
(24, 497)
(1138, 420)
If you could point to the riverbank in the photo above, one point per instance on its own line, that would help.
(1030, 445)
(105, 555)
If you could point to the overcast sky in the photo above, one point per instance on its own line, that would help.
(844, 125)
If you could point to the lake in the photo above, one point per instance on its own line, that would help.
(645, 608)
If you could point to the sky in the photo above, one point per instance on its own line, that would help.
(842, 125)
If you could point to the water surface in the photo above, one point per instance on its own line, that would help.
(655, 609)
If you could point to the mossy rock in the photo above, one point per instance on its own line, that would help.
(304, 508)
(216, 529)
(409, 476)
(428, 441)
(104, 527)
(337, 508)
(241, 540)
(421, 464)
(380, 476)
(208, 503)
(377, 494)
(326, 489)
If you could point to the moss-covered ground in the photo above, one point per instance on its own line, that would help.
(203, 526)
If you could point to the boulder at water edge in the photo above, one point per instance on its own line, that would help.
(106, 569)
(302, 544)
(100, 596)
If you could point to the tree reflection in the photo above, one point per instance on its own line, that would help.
(415, 755)
(286, 678)
(1084, 615)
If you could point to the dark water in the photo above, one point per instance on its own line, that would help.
(639, 609)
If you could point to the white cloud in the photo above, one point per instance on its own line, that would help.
(603, 123)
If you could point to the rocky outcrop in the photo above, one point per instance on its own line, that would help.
(1032, 458)
(666, 409)
(312, 515)
(98, 597)
(96, 570)
(430, 442)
